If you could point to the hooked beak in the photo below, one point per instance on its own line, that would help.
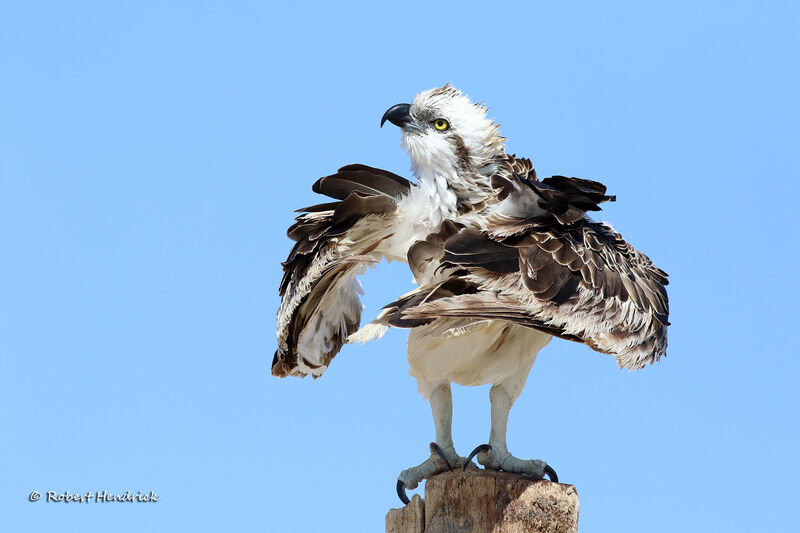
(397, 115)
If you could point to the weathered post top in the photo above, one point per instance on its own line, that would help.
(485, 501)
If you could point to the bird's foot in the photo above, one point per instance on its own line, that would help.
(441, 460)
(494, 458)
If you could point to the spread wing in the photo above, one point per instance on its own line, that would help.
(536, 260)
(334, 242)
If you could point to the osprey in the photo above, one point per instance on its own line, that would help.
(504, 262)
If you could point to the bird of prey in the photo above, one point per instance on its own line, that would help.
(503, 261)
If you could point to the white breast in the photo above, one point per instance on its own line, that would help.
(418, 215)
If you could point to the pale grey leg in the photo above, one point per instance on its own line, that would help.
(496, 456)
(443, 454)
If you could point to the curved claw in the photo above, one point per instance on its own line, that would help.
(551, 473)
(438, 451)
(476, 451)
(401, 492)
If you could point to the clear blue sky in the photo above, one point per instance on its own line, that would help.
(150, 159)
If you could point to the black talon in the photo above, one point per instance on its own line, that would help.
(551, 473)
(401, 492)
(476, 451)
(438, 451)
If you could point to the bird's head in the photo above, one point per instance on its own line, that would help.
(446, 134)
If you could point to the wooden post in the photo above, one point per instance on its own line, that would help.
(485, 501)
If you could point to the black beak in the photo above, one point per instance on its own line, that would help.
(397, 115)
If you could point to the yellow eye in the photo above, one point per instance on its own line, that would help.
(441, 124)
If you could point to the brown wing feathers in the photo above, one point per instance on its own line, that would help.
(317, 260)
(361, 178)
(553, 269)
(565, 199)
(470, 247)
(362, 190)
(583, 273)
(560, 251)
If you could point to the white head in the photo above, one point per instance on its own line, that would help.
(447, 136)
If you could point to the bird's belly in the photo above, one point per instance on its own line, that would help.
(485, 352)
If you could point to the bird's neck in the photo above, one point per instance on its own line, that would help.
(456, 191)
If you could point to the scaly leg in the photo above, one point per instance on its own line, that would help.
(443, 454)
(495, 455)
